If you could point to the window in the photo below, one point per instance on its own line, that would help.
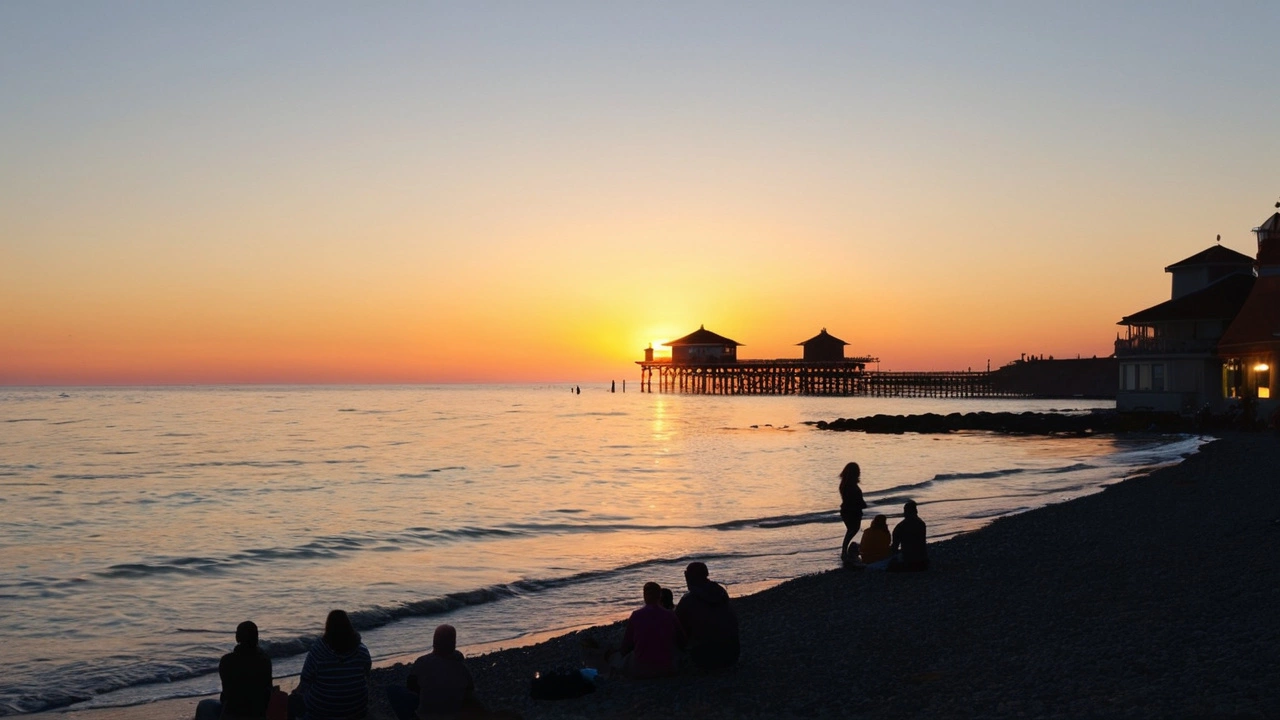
(1157, 377)
(1130, 377)
(1262, 371)
(1144, 377)
(1231, 378)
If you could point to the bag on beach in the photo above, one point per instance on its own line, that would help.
(560, 685)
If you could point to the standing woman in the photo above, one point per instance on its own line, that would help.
(851, 505)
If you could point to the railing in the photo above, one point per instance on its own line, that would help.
(1163, 346)
(787, 363)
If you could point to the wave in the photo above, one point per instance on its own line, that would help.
(428, 473)
(779, 521)
(243, 463)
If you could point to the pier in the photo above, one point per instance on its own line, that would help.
(704, 363)
(803, 377)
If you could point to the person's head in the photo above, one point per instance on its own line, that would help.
(696, 573)
(909, 509)
(247, 634)
(445, 641)
(880, 522)
(668, 599)
(851, 473)
(652, 593)
(339, 634)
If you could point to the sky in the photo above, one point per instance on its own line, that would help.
(314, 192)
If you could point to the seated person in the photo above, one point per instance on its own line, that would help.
(876, 541)
(653, 637)
(334, 684)
(708, 620)
(668, 599)
(246, 681)
(439, 684)
(908, 546)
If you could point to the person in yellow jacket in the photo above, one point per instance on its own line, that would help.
(875, 541)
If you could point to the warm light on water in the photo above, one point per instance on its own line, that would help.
(140, 525)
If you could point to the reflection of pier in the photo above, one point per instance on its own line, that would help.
(803, 377)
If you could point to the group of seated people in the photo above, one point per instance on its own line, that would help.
(333, 684)
(334, 680)
(903, 551)
(704, 624)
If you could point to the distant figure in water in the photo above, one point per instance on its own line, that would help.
(246, 681)
(909, 550)
(708, 620)
(334, 684)
(439, 684)
(876, 541)
(653, 637)
(851, 507)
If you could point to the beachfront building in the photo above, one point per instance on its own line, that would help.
(703, 346)
(823, 347)
(1168, 357)
(1250, 347)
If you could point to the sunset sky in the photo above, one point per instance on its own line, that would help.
(476, 191)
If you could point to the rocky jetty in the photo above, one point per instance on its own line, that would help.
(1024, 423)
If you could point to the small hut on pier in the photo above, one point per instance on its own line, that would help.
(823, 347)
(703, 346)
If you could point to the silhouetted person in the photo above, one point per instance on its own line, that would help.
(668, 599)
(334, 680)
(246, 681)
(851, 506)
(439, 683)
(876, 541)
(653, 637)
(909, 550)
(708, 620)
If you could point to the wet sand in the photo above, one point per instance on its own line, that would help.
(1155, 598)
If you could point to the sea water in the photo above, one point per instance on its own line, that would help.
(139, 526)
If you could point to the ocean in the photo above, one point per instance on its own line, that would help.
(138, 526)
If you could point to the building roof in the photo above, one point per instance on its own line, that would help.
(702, 336)
(1218, 301)
(1214, 255)
(1271, 225)
(1257, 325)
(824, 338)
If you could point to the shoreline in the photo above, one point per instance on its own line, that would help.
(1118, 603)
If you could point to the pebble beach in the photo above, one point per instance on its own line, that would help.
(1157, 597)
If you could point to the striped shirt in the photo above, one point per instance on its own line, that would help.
(335, 687)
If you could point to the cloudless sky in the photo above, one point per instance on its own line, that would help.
(474, 191)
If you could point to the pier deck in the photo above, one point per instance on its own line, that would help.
(800, 377)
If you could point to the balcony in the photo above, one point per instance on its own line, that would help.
(1164, 346)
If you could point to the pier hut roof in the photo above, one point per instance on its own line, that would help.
(824, 338)
(1219, 301)
(702, 336)
(1214, 255)
(1257, 326)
